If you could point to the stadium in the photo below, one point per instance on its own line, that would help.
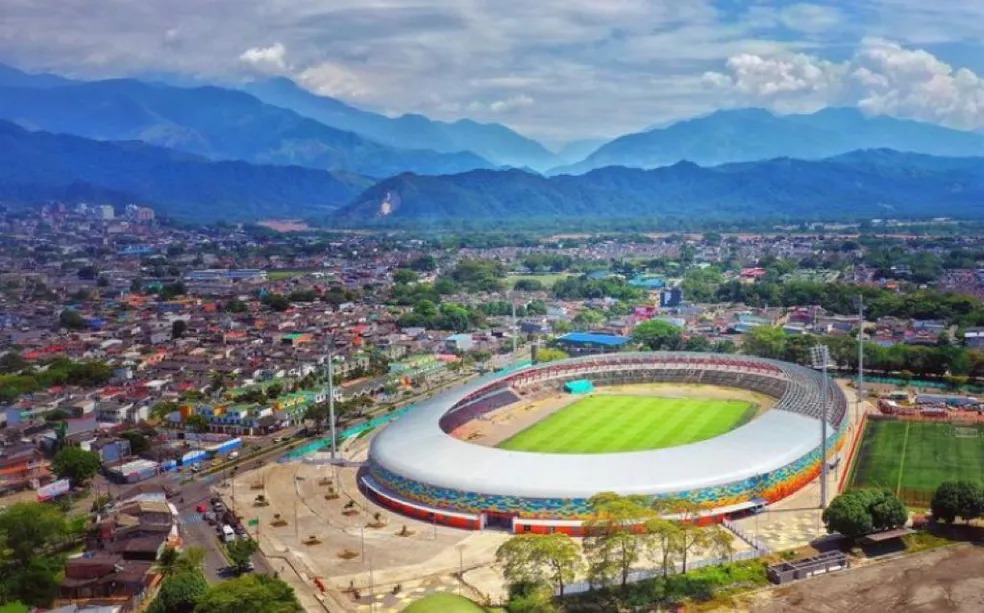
(730, 433)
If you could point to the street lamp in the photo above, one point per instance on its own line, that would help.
(820, 356)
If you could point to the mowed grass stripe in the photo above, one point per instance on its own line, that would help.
(608, 424)
(929, 455)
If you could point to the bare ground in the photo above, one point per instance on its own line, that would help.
(949, 580)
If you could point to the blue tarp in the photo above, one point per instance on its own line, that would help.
(589, 338)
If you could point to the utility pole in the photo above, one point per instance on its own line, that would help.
(821, 358)
(331, 396)
(515, 328)
(857, 413)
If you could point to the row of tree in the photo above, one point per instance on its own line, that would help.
(60, 371)
(621, 532)
(944, 358)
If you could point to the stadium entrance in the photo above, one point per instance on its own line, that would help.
(499, 521)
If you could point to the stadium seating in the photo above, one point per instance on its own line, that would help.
(476, 408)
(796, 388)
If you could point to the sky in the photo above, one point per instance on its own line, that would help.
(556, 70)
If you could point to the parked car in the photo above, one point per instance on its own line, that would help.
(209, 517)
(218, 507)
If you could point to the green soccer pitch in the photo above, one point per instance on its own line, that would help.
(608, 424)
(911, 458)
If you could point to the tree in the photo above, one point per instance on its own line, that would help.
(548, 354)
(662, 536)
(180, 592)
(765, 342)
(954, 499)
(690, 537)
(612, 544)
(163, 409)
(76, 465)
(171, 561)
(35, 582)
(178, 328)
(72, 319)
(31, 527)
(656, 334)
(240, 552)
(139, 443)
(721, 542)
(236, 306)
(405, 276)
(249, 594)
(863, 511)
(197, 423)
(528, 597)
(533, 558)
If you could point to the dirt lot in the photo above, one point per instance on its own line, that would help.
(948, 580)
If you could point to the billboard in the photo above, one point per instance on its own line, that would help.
(52, 490)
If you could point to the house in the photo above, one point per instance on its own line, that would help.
(22, 466)
(459, 342)
(103, 578)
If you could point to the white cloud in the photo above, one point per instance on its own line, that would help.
(811, 18)
(501, 106)
(552, 68)
(272, 59)
(333, 79)
(882, 77)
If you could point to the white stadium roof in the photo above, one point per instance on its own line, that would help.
(415, 447)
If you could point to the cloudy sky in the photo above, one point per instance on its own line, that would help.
(554, 69)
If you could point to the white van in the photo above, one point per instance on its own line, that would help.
(228, 534)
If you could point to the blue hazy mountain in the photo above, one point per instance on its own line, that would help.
(40, 166)
(756, 134)
(491, 141)
(857, 185)
(216, 123)
(12, 77)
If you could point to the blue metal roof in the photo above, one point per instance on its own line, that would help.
(596, 339)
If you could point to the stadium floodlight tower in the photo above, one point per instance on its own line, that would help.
(820, 356)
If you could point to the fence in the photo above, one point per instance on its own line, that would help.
(346, 434)
(756, 544)
(940, 385)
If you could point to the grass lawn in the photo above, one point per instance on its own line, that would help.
(444, 603)
(280, 275)
(912, 458)
(547, 280)
(606, 424)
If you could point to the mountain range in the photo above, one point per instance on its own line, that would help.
(858, 185)
(491, 141)
(272, 148)
(214, 122)
(756, 134)
(39, 166)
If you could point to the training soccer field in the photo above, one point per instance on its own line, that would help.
(607, 424)
(911, 458)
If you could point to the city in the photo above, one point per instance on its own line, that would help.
(443, 307)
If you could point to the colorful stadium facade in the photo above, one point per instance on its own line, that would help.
(418, 468)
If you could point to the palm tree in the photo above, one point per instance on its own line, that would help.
(172, 562)
(168, 563)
